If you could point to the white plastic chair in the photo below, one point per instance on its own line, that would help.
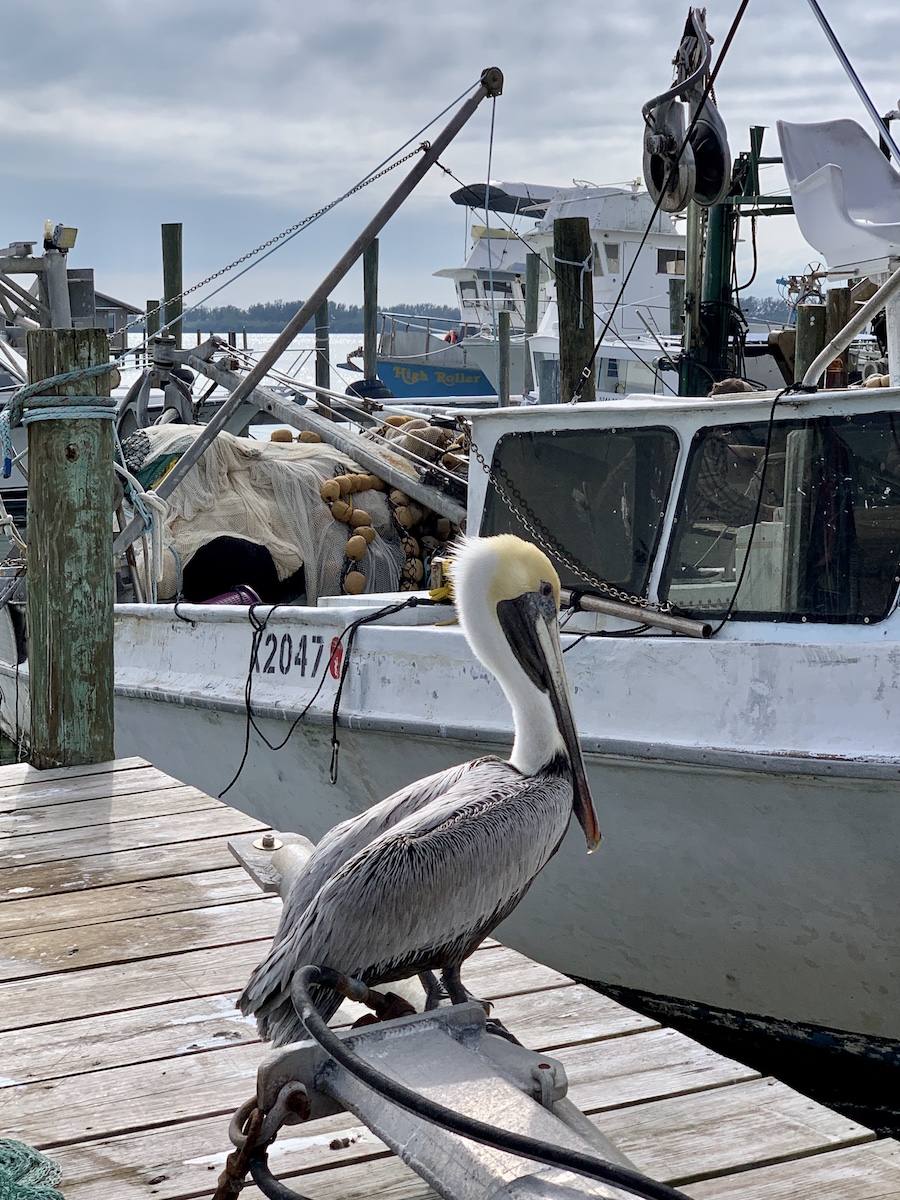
(846, 194)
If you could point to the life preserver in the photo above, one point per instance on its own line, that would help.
(452, 337)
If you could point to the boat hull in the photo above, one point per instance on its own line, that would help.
(418, 380)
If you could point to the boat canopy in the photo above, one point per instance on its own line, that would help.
(528, 198)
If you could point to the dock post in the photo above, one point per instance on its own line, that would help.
(370, 310)
(810, 337)
(503, 352)
(575, 305)
(153, 323)
(323, 356)
(69, 609)
(532, 289)
(172, 279)
(56, 280)
(837, 314)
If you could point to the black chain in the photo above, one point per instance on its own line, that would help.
(526, 516)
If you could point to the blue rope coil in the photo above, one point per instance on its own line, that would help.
(52, 407)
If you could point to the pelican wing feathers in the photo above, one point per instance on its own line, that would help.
(423, 892)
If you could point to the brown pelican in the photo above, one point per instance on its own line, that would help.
(416, 882)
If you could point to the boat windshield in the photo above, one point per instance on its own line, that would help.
(600, 495)
(826, 542)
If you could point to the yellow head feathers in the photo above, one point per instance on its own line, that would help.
(509, 566)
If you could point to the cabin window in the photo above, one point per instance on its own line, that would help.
(502, 291)
(613, 257)
(625, 375)
(468, 293)
(600, 494)
(597, 258)
(670, 262)
(826, 545)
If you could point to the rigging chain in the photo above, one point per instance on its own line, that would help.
(526, 516)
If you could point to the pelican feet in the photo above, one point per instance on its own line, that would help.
(387, 1006)
(434, 990)
(458, 994)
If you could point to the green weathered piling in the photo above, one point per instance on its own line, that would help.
(837, 314)
(503, 352)
(575, 305)
(370, 310)
(532, 289)
(70, 565)
(153, 321)
(323, 352)
(172, 279)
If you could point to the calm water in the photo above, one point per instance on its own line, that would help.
(298, 361)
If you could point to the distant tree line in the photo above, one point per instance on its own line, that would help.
(766, 308)
(272, 317)
(348, 318)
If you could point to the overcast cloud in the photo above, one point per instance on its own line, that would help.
(239, 119)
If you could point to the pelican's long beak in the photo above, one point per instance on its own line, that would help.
(530, 626)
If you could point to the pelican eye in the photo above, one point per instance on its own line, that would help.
(546, 589)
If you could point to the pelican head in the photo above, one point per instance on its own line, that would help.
(507, 597)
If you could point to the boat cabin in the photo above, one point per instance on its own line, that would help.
(737, 508)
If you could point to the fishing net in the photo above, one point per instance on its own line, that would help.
(25, 1174)
(266, 492)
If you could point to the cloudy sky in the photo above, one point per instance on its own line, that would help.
(240, 118)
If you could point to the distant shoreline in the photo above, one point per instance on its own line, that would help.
(272, 318)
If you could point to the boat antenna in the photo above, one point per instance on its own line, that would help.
(880, 123)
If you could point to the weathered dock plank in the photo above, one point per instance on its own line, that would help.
(100, 811)
(870, 1172)
(186, 854)
(37, 790)
(44, 953)
(138, 984)
(151, 897)
(751, 1124)
(165, 1030)
(218, 821)
(14, 774)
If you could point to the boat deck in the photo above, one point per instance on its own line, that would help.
(126, 933)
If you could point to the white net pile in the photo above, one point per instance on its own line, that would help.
(266, 492)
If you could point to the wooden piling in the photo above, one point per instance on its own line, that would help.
(532, 289)
(323, 355)
(811, 337)
(370, 310)
(837, 314)
(575, 305)
(503, 352)
(70, 565)
(153, 321)
(172, 278)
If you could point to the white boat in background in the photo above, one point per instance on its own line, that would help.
(433, 360)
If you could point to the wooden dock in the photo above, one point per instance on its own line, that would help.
(126, 933)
